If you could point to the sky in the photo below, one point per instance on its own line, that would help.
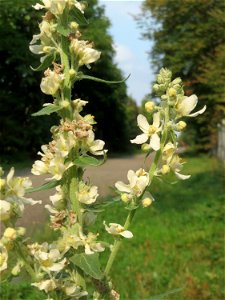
(131, 50)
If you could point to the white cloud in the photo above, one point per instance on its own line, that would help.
(123, 53)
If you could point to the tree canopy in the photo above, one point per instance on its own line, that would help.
(189, 39)
(20, 86)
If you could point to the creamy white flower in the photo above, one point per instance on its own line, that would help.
(187, 104)
(73, 290)
(51, 83)
(46, 285)
(49, 258)
(39, 168)
(138, 181)
(69, 240)
(87, 194)
(84, 51)
(149, 131)
(5, 210)
(90, 243)
(175, 163)
(57, 167)
(15, 191)
(65, 143)
(3, 257)
(117, 229)
(95, 146)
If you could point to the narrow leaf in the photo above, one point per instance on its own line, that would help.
(45, 64)
(90, 264)
(78, 16)
(87, 160)
(47, 110)
(46, 186)
(82, 76)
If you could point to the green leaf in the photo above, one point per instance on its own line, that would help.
(87, 160)
(46, 186)
(78, 16)
(45, 64)
(90, 264)
(65, 31)
(47, 110)
(82, 76)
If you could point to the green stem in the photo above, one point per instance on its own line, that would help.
(73, 190)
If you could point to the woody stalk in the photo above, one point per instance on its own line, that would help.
(69, 267)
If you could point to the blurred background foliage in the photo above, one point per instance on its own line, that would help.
(21, 134)
(189, 39)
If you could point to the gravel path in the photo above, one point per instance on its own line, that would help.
(104, 177)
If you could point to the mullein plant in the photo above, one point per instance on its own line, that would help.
(69, 267)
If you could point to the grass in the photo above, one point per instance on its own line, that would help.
(178, 247)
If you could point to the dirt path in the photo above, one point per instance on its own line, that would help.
(104, 177)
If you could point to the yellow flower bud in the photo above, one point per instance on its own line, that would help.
(64, 103)
(181, 125)
(145, 147)
(72, 72)
(74, 25)
(149, 106)
(146, 202)
(165, 169)
(125, 198)
(10, 234)
(172, 92)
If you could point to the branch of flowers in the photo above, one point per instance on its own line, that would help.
(131, 214)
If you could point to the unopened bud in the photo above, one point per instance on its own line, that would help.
(146, 202)
(149, 106)
(177, 80)
(21, 231)
(165, 169)
(164, 97)
(125, 197)
(64, 103)
(74, 25)
(10, 234)
(172, 92)
(181, 125)
(72, 72)
(145, 147)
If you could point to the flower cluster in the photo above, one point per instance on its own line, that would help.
(162, 133)
(12, 195)
(77, 135)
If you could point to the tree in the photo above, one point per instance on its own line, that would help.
(189, 39)
(19, 85)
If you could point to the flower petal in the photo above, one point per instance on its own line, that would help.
(155, 142)
(199, 112)
(127, 234)
(122, 187)
(156, 120)
(143, 123)
(182, 176)
(187, 105)
(140, 139)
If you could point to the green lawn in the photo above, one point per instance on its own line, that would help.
(178, 247)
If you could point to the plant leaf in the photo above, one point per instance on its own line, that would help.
(45, 64)
(90, 264)
(78, 16)
(46, 186)
(82, 76)
(47, 110)
(86, 160)
(65, 31)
